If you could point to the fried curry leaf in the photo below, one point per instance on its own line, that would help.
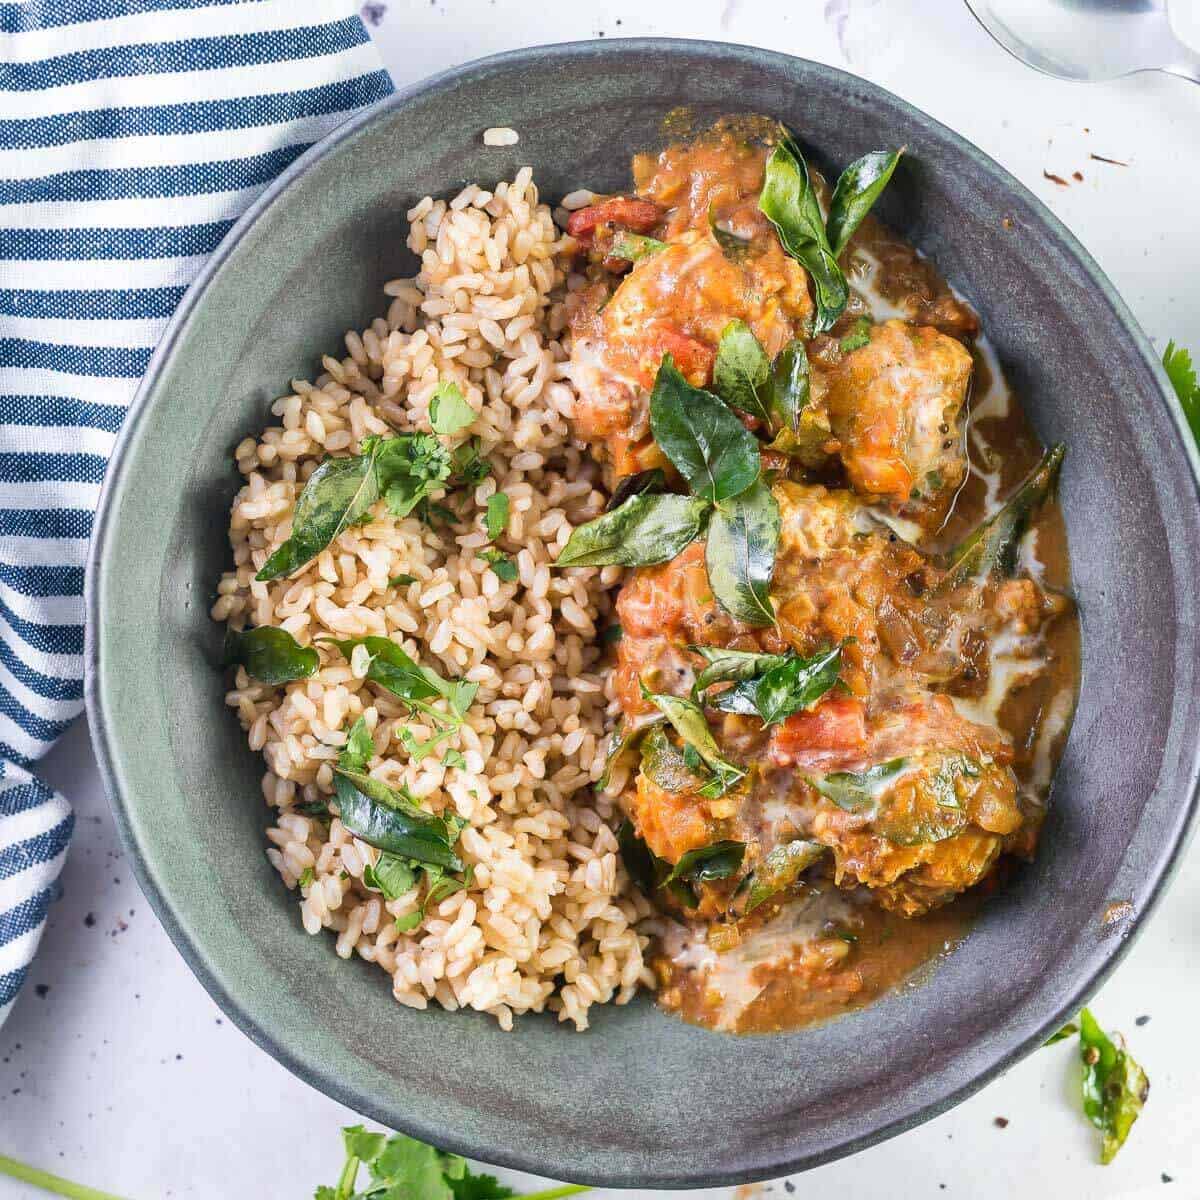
(270, 655)
(641, 484)
(449, 412)
(727, 666)
(789, 685)
(496, 515)
(390, 819)
(993, 545)
(338, 494)
(1115, 1087)
(708, 863)
(644, 530)
(734, 248)
(858, 187)
(698, 432)
(742, 373)
(634, 246)
(790, 380)
(743, 536)
(640, 862)
(790, 204)
(781, 868)
(391, 668)
(857, 791)
(688, 721)
(624, 739)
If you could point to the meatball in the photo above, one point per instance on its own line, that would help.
(894, 406)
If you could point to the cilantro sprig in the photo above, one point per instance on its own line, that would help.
(401, 1168)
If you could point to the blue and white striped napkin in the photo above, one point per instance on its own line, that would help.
(132, 135)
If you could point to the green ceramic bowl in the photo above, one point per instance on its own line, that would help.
(641, 1098)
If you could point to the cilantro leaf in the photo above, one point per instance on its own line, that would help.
(496, 518)
(1178, 364)
(449, 412)
(504, 568)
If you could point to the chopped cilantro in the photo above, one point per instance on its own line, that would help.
(306, 877)
(497, 515)
(454, 758)
(449, 412)
(501, 564)
(401, 580)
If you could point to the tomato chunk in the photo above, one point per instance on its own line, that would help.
(693, 358)
(837, 723)
(626, 212)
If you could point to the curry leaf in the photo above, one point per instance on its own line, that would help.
(688, 721)
(709, 446)
(390, 819)
(359, 748)
(449, 412)
(993, 545)
(640, 484)
(496, 516)
(269, 655)
(338, 494)
(645, 530)
(391, 668)
(789, 202)
(742, 373)
(859, 791)
(790, 380)
(707, 863)
(781, 868)
(740, 555)
(634, 246)
(858, 187)
(790, 685)
(1115, 1087)
(734, 248)
(640, 862)
(726, 666)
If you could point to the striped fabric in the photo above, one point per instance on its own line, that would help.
(132, 135)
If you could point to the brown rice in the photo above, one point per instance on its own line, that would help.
(550, 921)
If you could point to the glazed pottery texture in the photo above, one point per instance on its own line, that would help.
(642, 1098)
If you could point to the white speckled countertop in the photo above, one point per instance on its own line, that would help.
(116, 1069)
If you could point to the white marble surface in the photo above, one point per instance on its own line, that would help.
(115, 1067)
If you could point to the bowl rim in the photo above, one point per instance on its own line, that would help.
(324, 1078)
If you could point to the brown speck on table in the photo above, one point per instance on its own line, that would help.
(1055, 178)
(1077, 176)
(1118, 910)
(1140, 1021)
(1167, 1178)
(1116, 162)
(90, 920)
(1001, 1122)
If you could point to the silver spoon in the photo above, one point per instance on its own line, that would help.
(1088, 40)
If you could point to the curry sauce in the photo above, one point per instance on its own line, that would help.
(821, 790)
